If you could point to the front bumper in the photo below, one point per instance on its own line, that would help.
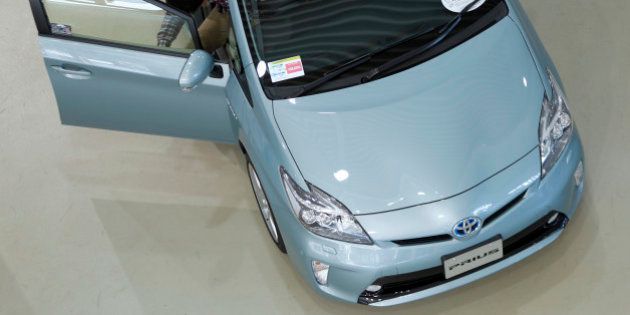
(417, 285)
(355, 267)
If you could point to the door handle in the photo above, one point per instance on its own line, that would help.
(73, 72)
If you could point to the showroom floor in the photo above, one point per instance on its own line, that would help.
(99, 222)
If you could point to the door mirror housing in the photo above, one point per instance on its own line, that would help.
(196, 70)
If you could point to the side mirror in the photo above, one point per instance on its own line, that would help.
(196, 70)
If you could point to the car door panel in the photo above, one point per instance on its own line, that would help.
(130, 90)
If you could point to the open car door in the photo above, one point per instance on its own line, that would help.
(109, 70)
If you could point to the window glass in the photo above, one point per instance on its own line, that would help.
(322, 35)
(237, 64)
(233, 53)
(132, 22)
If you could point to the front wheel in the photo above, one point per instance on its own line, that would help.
(265, 208)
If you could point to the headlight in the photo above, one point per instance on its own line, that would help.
(323, 214)
(556, 126)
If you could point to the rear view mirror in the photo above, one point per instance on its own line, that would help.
(196, 70)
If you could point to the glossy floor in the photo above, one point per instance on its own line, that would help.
(98, 222)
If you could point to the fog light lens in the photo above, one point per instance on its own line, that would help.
(373, 288)
(579, 174)
(320, 270)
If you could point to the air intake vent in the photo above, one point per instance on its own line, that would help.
(505, 208)
(447, 237)
(424, 240)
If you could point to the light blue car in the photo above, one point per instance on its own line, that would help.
(397, 149)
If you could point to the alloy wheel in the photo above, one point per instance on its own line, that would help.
(263, 203)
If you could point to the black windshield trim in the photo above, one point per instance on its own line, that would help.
(496, 14)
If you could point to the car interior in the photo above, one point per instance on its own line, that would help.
(111, 20)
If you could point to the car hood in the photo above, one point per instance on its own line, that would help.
(422, 135)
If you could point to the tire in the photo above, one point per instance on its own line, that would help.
(265, 208)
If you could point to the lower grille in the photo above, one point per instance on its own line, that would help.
(404, 284)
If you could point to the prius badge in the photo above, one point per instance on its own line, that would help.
(467, 228)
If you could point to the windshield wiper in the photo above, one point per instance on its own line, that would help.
(353, 63)
(444, 31)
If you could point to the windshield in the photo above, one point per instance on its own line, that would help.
(301, 41)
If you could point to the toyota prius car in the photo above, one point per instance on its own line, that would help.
(396, 149)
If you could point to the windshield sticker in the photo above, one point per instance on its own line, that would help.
(458, 5)
(286, 69)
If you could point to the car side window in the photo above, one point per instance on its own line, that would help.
(233, 53)
(237, 64)
(131, 22)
